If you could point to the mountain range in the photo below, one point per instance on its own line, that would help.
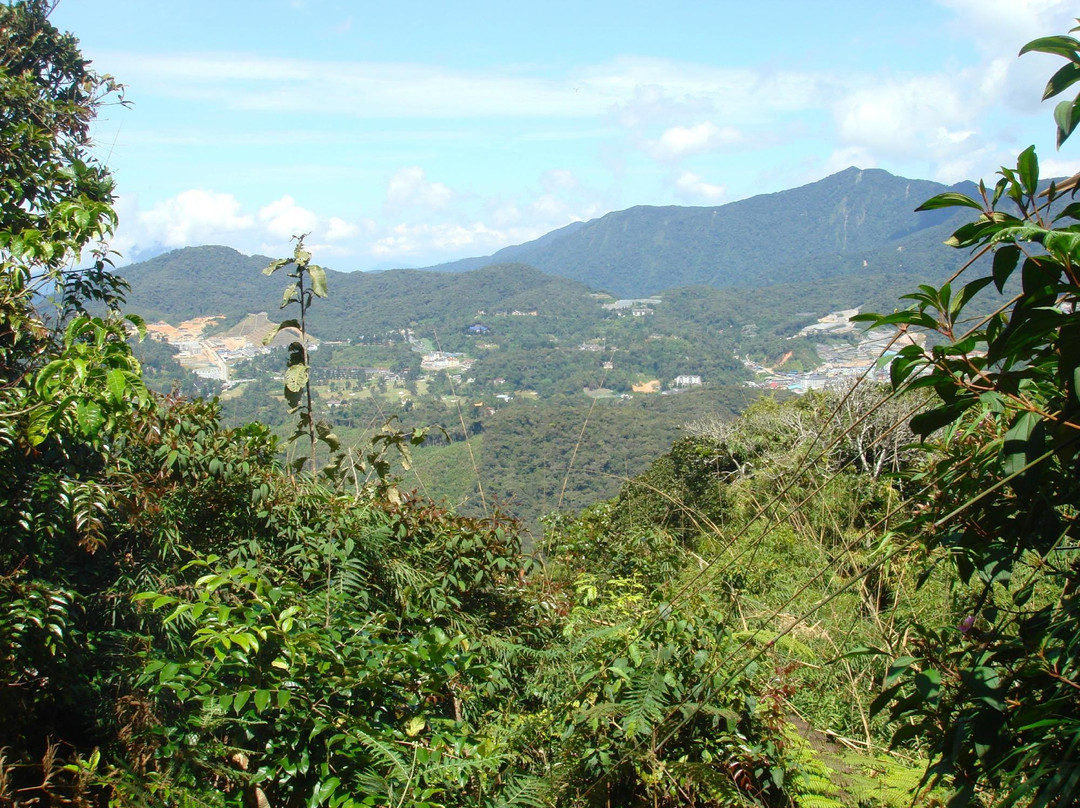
(856, 228)
(849, 221)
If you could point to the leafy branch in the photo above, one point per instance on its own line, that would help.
(309, 282)
(995, 694)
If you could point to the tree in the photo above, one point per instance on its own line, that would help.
(309, 282)
(68, 387)
(55, 197)
(997, 692)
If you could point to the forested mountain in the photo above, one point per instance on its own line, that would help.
(853, 223)
(200, 281)
(196, 281)
(849, 222)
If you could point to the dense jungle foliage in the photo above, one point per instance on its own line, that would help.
(186, 621)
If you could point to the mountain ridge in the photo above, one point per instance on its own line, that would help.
(852, 224)
(826, 228)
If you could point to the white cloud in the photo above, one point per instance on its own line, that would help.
(505, 223)
(285, 219)
(905, 117)
(559, 179)
(691, 187)
(683, 141)
(634, 89)
(352, 88)
(999, 28)
(449, 231)
(198, 216)
(409, 187)
(338, 229)
(970, 165)
(446, 241)
(548, 207)
(423, 239)
(997, 25)
(843, 158)
(191, 217)
(1056, 167)
(506, 214)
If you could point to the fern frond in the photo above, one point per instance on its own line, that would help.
(526, 792)
(392, 758)
(646, 700)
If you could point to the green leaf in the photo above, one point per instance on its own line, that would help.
(90, 417)
(1066, 116)
(1027, 166)
(293, 398)
(949, 199)
(1065, 46)
(1039, 276)
(898, 668)
(1064, 78)
(976, 232)
(966, 294)
(326, 434)
(116, 381)
(288, 296)
(884, 698)
(1005, 259)
(296, 378)
(168, 672)
(291, 323)
(926, 423)
(1022, 444)
(1063, 242)
(928, 683)
(324, 792)
(318, 280)
(262, 699)
(274, 266)
(860, 651)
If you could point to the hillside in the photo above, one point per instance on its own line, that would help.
(842, 224)
(529, 376)
(196, 281)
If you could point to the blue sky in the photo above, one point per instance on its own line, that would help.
(413, 133)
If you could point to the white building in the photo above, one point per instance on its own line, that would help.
(686, 381)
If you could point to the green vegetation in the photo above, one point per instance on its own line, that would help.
(997, 698)
(751, 615)
(854, 222)
(309, 282)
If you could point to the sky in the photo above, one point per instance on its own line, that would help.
(413, 133)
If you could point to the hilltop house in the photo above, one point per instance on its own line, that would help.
(686, 381)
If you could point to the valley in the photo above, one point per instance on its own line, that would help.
(493, 352)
